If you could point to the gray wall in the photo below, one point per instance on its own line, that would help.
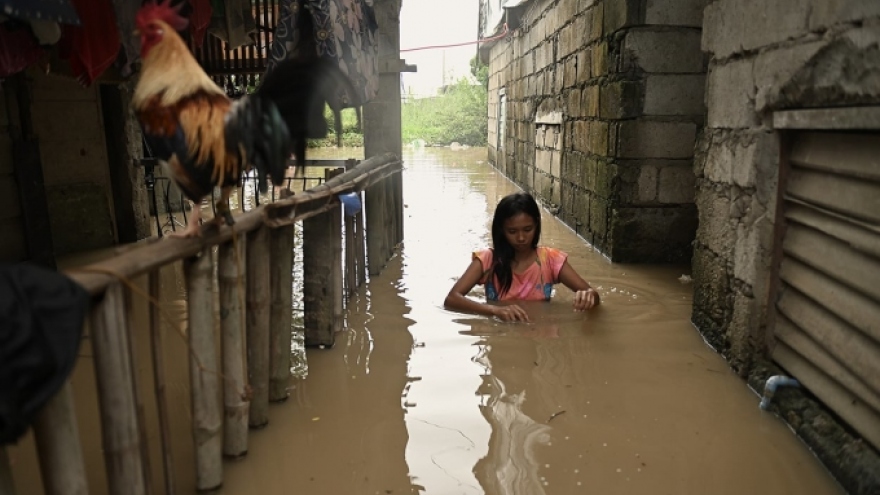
(605, 100)
(763, 56)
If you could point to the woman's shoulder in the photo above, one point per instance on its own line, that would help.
(484, 255)
(551, 252)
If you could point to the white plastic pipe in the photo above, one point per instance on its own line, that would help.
(772, 384)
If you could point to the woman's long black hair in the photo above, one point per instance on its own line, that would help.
(503, 252)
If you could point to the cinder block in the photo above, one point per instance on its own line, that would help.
(649, 139)
(731, 95)
(716, 229)
(734, 26)
(774, 68)
(598, 144)
(597, 21)
(647, 184)
(599, 59)
(621, 100)
(555, 162)
(591, 100)
(566, 10)
(681, 94)
(664, 51)
(828, 13)
(676, 184)
(619, 14)
(583, 66)
(753, 249)
(675, 12)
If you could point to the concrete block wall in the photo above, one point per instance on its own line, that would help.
(625, 79)
(763, 56)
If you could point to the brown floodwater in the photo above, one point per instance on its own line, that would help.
(624, 399)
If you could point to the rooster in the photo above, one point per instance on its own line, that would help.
(202, 138)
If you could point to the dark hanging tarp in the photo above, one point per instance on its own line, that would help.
(41, 320)
(341, 30)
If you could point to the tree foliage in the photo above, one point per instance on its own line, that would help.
(458, 114)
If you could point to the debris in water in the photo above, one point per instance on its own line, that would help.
(555, 414)
(316, 418)
(685, 279)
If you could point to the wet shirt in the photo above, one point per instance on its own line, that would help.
(534, 284)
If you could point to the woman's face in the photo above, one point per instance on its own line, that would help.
(519, 230)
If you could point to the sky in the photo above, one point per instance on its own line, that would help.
(437, 22)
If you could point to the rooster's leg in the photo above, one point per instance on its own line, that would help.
(223, 213)
(192, 225)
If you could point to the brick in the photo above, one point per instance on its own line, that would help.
(580, 132)
(652, 235)
(599, 59)
(599, 216)
(583, 66)
(619, 14)
(675, 94)
(591, 100)
(542, 160)
(573, 102)
(731, 95)
(647, 139)
(675, 12)
(598, 143)
(556, 162)
(828, 13)
(597, 19)
(620, 100)
(647, 184)
(676, 184)
(774, 68)
(734, 26)
(716, 229)
(581, 33)
(663, 51)
(566, 10)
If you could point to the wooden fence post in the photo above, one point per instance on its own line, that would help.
(281, 313)
(114, 375)
(350, 256)
(258, 320)
(6, 485)
(231, 273)
(204, 373)
(158, 353)
(360, 246)
(57, 437)
(322, 274)
(376, 227)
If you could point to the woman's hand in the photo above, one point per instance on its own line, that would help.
(510, 312)
(585, 299)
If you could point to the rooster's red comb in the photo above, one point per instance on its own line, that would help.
(162, 11)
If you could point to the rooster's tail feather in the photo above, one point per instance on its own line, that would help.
(255, 130)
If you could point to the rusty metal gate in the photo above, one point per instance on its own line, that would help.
(825, 312)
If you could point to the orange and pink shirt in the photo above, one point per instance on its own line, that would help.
(534, 284)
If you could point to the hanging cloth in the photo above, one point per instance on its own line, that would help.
(18, 48)
(41, 320)
(61, 11)
(125, 11)
(94, 45)
(199, 20)
(341, 30)
(233, 22)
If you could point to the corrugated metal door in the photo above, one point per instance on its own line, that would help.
(826, 317)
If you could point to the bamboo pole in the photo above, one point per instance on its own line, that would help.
(113, 372)
(231, 273)
(360, 247)
(322, 245)
(258, 320)
(376, 225)
(138, 398)
(7, 487)
(203, 372)
(57, 437)
(390, 219)
(158, 356)
(350, 257)
(288, 211)
(281, 316)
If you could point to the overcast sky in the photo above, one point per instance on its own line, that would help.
(437, 22)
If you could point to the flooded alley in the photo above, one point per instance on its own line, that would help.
(624, 399)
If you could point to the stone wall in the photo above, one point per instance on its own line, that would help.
(604, 102)
(763, 56)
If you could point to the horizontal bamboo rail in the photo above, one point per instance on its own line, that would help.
(97, 277)
(230, 392)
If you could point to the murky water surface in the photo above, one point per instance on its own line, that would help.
(625, 399)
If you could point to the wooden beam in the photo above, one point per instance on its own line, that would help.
(258, 321)
(231, 280)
